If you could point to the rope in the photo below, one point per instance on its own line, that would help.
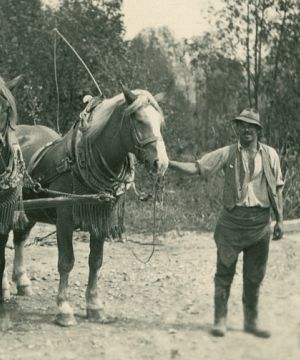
(80, 59)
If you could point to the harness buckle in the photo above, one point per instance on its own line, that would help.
(64, 165)
(37, 187)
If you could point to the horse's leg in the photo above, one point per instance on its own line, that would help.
(5, 286)
(19, 275)
(64, 228)
(3, 241)
(95, 263)
(5, 323)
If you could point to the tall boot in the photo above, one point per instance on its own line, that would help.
(221, 299)
(250, 305)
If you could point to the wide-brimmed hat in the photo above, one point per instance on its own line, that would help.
(250, 116)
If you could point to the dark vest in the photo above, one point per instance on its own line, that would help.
(230, 193)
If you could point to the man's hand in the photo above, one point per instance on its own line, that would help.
(278, 230)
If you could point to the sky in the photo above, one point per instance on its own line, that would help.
(185, 18)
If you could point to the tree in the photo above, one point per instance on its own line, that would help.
(94, 28)
(264, 35)
(218, 87)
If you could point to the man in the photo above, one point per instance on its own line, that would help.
(253, 185)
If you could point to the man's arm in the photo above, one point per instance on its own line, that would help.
(208, 165)
(190, 168)
(278, 228)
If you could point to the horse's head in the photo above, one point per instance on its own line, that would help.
(145, 120)
(8, 110)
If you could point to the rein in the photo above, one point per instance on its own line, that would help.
(158, 187)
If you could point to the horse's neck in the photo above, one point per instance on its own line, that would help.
(107, 146)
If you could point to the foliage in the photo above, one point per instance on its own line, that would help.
(219, 91)
(94, 28)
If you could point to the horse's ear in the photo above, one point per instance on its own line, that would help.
(160, 97)
(130, 97)
(12, 84)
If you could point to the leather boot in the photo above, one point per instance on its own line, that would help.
(250, 305)
(221, 299)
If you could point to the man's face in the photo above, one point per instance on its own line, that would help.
(247, 132)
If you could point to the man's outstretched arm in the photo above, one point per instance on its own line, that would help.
(191, 168)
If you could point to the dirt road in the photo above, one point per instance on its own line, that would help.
(163, 309)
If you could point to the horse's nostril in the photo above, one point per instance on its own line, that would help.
(155, 165)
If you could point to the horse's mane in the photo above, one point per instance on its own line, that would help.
(103, 111)
(6, 93)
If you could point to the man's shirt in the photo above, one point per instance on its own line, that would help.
(252, 190)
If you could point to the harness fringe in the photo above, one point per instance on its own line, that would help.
(104, 219)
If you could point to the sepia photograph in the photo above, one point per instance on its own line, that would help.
(149, 179)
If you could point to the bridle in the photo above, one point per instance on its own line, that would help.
(140, 144)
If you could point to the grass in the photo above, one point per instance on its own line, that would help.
(193, 204)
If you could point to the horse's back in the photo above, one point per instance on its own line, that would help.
(33, 137)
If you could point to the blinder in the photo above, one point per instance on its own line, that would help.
(140, 144)
(5, 101)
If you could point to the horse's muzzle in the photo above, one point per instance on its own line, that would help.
(156, 160)
(159, 167)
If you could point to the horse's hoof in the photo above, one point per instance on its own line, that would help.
(65, 320)
(97, 315)
(5, 323)
(24, 290)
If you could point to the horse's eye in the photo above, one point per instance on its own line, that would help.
(138, 120)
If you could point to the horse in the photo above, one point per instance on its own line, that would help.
(92, 158)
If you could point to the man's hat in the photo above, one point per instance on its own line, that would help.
(250, 116)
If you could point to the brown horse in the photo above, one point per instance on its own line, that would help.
(92, 158)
